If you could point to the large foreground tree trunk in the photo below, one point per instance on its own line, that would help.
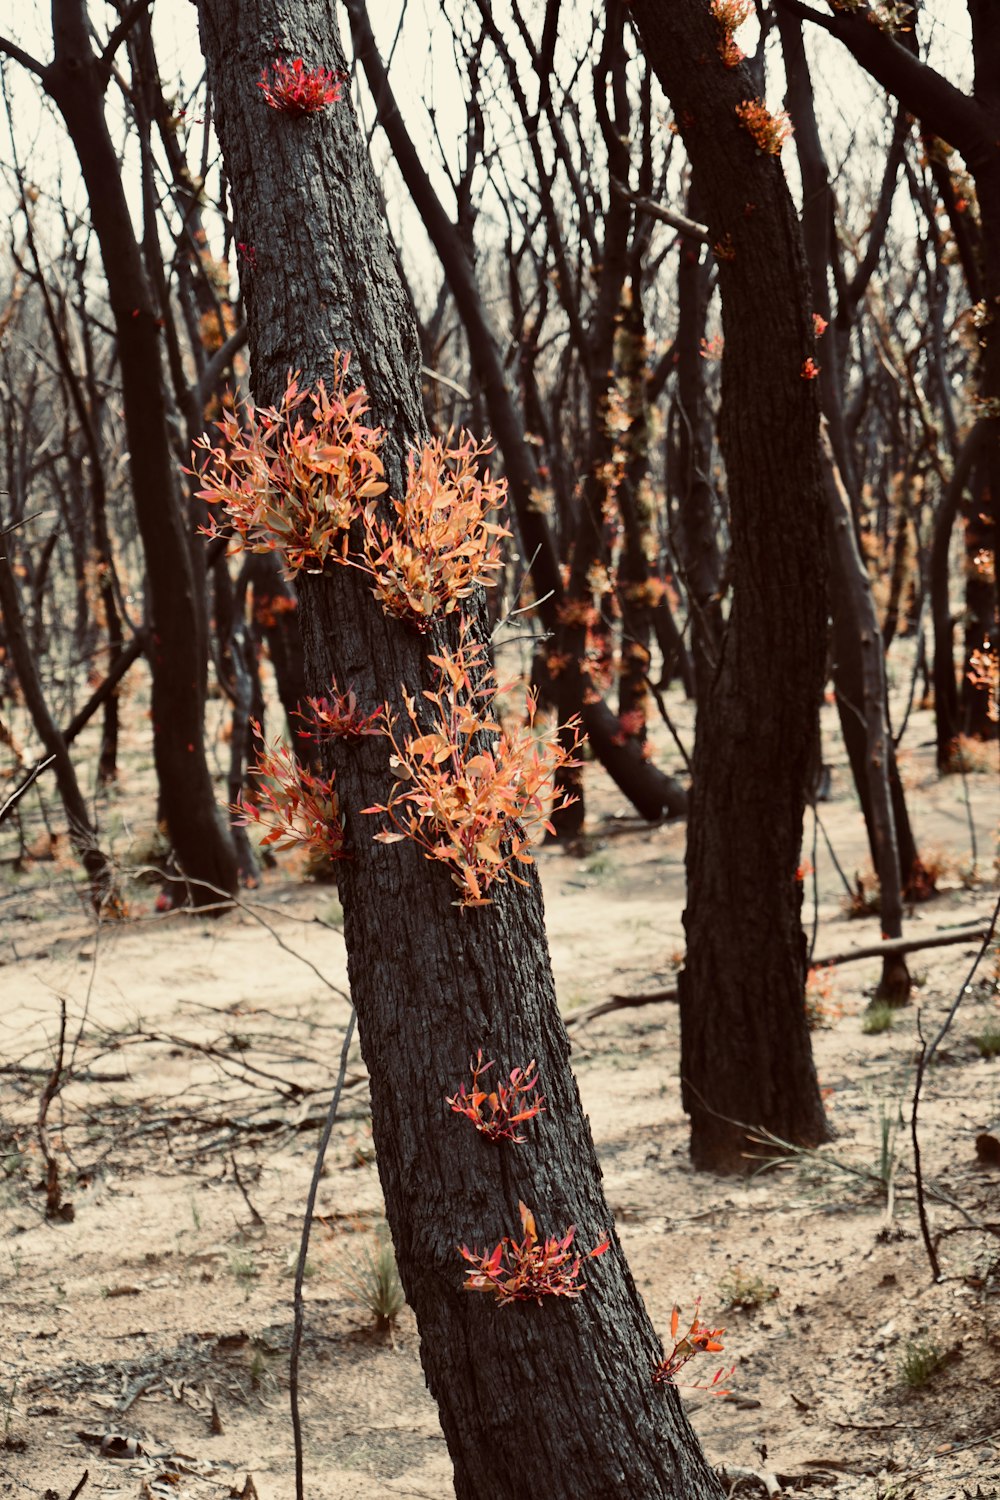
(560, 1393)
(76, 81)
(745, 1049)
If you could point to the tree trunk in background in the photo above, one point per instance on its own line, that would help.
(745, 1047)
(854, 588)
(83, 836)
(819, 217)
(76, 83)
(449, 981)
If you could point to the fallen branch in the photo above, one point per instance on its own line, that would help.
(619, 1002)
(973, 934)
(976, 933)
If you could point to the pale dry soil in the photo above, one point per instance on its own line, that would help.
(166, 1295)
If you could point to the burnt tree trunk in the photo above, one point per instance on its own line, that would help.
(76, 81)
(745, 1049)
(449, 981)
(854, 588)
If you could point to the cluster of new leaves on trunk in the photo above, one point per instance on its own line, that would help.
(769, 131)
(467, 790)
(497, 1112)
(440, 544)
(336, 716)
(699, 1339)
(297, 808)
(730, 16)
(297, 487)
(294, 89)
(529, 1269)
(292, 485)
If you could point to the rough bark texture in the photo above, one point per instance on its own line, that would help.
(745, 1050)
(76, 82)
(559, 1393)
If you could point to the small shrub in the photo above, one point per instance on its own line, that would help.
(742, 1292)
(920, 1360)
(987, 1042)
(822, 1010)
(371, 1280)
(878, 1017)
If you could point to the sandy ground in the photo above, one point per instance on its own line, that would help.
(199, 1056)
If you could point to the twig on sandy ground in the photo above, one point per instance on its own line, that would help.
(300, 1265)
(227, 901)
(54, 1206)
(926, 1055)
(257, 1217)
(979, 930)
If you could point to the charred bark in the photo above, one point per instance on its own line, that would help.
(746, 1058)
(449, 981)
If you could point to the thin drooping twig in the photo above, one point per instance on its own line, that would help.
(20, 790)
(227, 901)
(926, 1054)
(815, 884)
(918, 1175)
(53, 1193)
(300, 1265)
(254, 1214)
(833, 854)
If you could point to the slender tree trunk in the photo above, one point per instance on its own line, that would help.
(448, 981)
(745, 1050)
(76, 83)
(82, 834)
(854, 588)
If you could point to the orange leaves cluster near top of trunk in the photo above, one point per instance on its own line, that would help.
(729, 16)
(529, 1269)
(294, 89)
(496, 1112)
(298, 808)
(440, 544)
(699, 1339)
(291, 485)
(467, 791)
(297, 487)
(769, 131)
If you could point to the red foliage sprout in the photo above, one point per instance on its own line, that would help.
(769, 131)
(468, 792)
(440, 544)
(295, 89)
(699, 1339)
(297, 808)
(529, 1269)
(337, 717)
(291, 486)
(496, 1113)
